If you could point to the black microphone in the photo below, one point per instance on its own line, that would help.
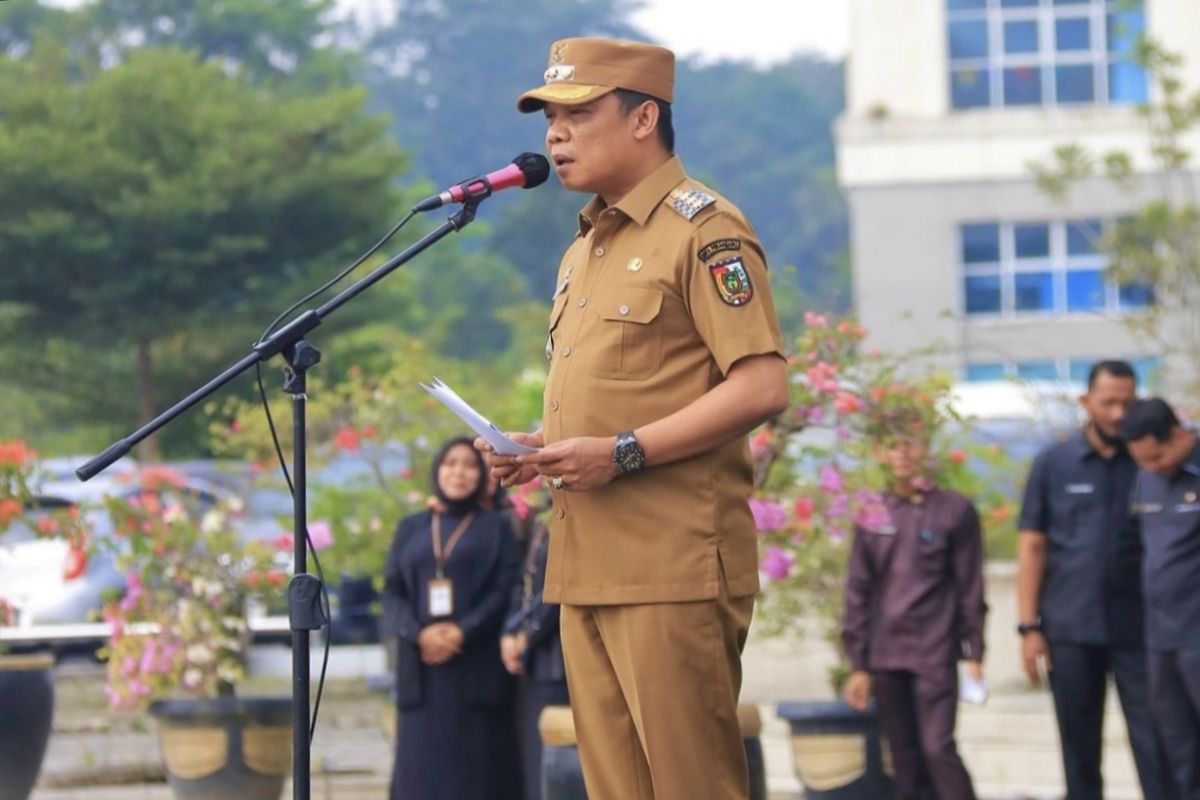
(526, 170)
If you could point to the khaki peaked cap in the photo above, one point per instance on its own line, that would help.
(580, 70)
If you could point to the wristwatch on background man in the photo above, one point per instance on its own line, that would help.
(628, 455)
(1029, 627)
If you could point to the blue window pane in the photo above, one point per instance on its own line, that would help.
(1037, 371)
(1076, 83)
(970, 88)
(1080, 369)
(1022, 86)
(1072, 34)
(1126, 83)
(1083, 237)
(984, 371)
(1085, 290)
(1021, 37)
(1032, 241)
(980, 244)
(1018, 3)
(1034, 291)
(965, 5)
(968, 40)
(1136, 295)
(1072, 2)
(983, 294)
(1124, 28)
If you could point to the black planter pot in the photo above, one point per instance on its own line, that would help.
(836, 751)
(226, 748)
(562, 776)
(26, 718)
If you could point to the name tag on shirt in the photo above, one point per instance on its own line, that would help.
(1080, 488)
(885, 530)
(1147, 508)
(1187, 508)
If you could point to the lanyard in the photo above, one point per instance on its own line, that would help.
(441, 556)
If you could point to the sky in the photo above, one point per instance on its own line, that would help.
(763, 31)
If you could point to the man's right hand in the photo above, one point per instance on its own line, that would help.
(504, 468)
(1036, 656)
(858, 690)
(436, 645)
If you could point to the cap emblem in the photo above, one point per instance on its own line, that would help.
(559, 72)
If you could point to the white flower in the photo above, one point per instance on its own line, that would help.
(229, 672)
(175, 513)
(200, 654)
(192, 679)
(212, 522)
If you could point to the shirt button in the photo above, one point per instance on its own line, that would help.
(599, 251)
(559, 513)
(582, 302)
(624, 310)
(566, 352)
(554, 405)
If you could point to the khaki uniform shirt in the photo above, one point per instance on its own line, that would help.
(655, 300)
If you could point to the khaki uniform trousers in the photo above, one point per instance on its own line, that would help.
(654, 692)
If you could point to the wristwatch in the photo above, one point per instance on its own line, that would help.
(628, 455)
(1029, 627)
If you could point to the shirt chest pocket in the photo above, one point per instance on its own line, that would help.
(628, 333)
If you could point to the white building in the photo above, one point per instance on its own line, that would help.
(954, 245)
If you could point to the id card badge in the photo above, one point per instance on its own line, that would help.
(441, 597)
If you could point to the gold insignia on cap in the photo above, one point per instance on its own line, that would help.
(559, 72)
(1190, 497)
(690, 202)
(559, 53)
(634, 264)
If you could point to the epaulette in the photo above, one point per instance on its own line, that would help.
(689, 202)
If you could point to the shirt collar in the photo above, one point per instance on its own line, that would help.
(640, 203)
(1081, 446)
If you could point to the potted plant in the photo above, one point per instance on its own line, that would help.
(179, 636)
(816, 478)
(26, 681)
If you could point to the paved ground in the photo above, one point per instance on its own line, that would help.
(1010, 744)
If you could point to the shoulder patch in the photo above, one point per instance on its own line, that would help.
(732, 280)
(719, 246)
(689, 202)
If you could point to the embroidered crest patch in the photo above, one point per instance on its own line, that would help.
(732, 280)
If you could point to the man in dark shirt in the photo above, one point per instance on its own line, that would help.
(1166, 500)
(1079, 590)
(914, 606)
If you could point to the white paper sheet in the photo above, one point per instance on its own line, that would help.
(476, 421)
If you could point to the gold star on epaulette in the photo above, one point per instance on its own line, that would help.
(690, 202)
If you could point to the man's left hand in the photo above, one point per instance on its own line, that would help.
(582, 463)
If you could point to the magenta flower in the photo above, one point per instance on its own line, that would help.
(831, 479)
(768, 514)
(777, 563)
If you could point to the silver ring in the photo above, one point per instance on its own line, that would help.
(557, 482)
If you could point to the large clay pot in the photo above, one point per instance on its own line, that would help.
(226, 748)
(836, 751)
(562, 777)
(26, 718)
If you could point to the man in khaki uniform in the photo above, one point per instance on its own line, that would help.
(664, 352)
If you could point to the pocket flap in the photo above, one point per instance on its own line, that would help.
(631, 305)
(556, 311)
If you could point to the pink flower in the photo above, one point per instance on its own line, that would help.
(830, 480)
(812, 320)
(803, 508)
(843, 433)
(958, 457)
(768, 514)
(777, 563)
(872, 513)
(320, 534)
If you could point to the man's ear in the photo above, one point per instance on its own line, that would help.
(645, 120)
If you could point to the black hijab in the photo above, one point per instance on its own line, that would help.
(473, 502)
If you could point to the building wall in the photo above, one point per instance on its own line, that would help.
(913, 171)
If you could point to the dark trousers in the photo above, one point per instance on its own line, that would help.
(1175, 700)
(1079, 683)
(916, 715)
(535, 696)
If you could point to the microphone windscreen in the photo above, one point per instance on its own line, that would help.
(534, 167)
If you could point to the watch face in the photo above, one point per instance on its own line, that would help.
(629, 455)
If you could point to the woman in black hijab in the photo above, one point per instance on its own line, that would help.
(449, 575)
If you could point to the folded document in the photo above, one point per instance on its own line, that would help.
(477, 422)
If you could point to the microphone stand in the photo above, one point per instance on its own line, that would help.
(305, 613)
